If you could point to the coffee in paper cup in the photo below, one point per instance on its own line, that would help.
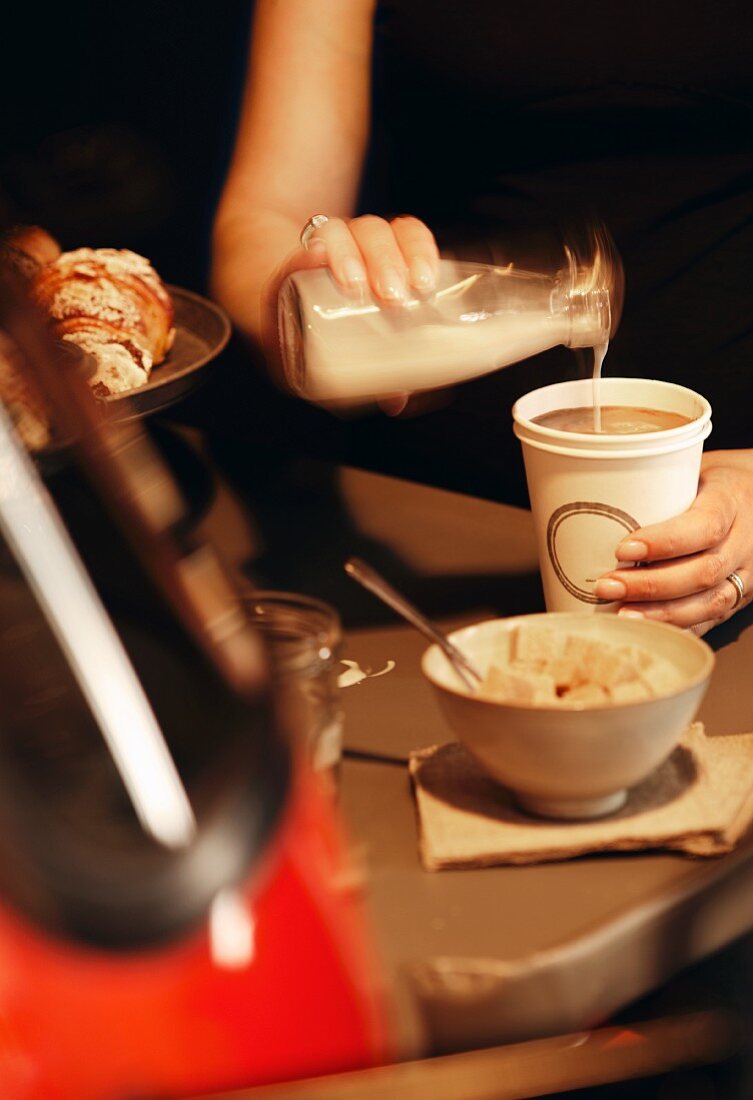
(588, 490)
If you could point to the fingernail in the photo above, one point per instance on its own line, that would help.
(631, 550)
(391, 285)
(318, 249)
(609, 589)
(422, 275)
(353, 271)
(628, 613)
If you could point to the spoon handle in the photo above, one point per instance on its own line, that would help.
(374, 582)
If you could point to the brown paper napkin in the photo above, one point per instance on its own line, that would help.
(700, 802)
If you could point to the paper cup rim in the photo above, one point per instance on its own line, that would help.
(603, 451)
(607, 445)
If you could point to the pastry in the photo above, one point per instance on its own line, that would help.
(114, 306)
(26, 248)
(22, 402)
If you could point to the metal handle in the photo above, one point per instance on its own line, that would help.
(370, 579)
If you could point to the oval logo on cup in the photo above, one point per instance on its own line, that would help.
(581, 538)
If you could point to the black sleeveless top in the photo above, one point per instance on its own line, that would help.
(497, 123)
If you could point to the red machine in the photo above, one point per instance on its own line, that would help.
(179, 1019)
(177, 912)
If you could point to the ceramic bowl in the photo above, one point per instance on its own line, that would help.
(572, 762)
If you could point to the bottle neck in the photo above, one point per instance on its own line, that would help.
(587, 313)
(589, 291)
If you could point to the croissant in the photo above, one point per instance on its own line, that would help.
(22, 401)
(25, 248)
(114, 306)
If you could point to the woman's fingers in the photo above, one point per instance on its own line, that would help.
(699, 611)
(681, 556)
(344, 255)
(396, 259)
(385, 263)
(706, 524)
(663, 581)
(420, 252)
(681, 568)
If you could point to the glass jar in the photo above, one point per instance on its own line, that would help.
(304, 639)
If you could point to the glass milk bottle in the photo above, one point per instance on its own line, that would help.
(339, 346)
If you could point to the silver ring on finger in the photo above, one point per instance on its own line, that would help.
(316, 221)
(737, 581)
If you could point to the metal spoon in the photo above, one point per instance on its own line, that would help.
(370, 579)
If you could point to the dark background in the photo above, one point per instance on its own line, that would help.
(116, 122)
(116, 127)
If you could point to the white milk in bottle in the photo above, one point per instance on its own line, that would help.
(339, 347)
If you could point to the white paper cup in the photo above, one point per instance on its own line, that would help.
(588, 492)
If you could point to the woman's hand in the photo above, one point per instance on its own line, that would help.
(394, 261)
(397, 260)
(686, 561)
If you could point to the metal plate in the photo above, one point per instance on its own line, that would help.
(202, 330)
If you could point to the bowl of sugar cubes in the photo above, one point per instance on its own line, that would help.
(573, 709)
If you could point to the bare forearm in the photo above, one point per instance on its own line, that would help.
(299, 149)
(246, 252)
